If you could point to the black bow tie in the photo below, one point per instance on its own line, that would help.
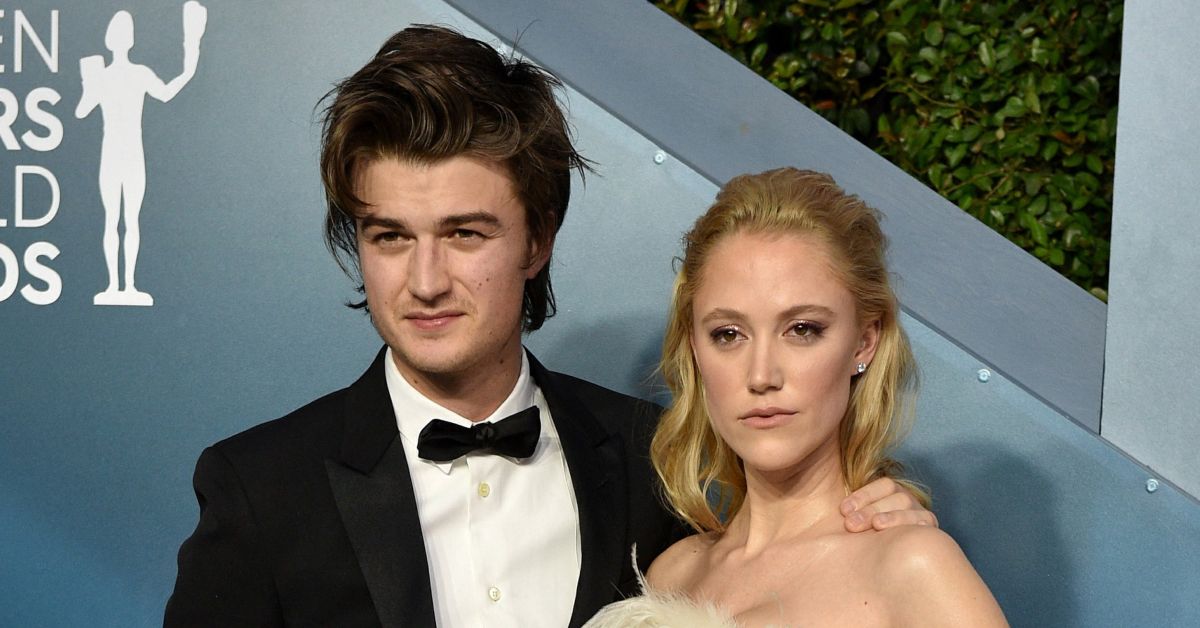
(515, 436)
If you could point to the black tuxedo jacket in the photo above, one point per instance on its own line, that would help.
(310, 520)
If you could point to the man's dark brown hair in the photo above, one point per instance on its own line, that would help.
(430, 94)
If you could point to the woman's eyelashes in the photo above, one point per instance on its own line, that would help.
(726, 335)
(807, 331)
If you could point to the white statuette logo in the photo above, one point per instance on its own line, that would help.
(120, 89)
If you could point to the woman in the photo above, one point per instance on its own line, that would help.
(790, 376)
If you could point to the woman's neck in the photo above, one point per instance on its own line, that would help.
(787, 504)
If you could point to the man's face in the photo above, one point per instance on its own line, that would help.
(445, 253)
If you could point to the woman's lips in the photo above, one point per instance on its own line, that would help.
(766, 417)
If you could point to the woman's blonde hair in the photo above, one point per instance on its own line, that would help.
(701, 476)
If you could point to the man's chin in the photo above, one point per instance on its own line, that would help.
(429, 364)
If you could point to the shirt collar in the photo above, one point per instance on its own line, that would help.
(414, 410)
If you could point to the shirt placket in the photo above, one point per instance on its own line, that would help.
(492, 587)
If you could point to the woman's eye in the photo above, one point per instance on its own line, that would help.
(806, 329)
(725, 335)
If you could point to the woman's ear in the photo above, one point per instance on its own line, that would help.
(868, 341)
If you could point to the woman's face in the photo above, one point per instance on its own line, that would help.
(777, 339)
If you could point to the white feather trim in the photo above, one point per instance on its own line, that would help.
(659, 610)
(655, 609)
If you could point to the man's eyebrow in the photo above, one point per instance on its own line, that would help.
(366, 222)
(457, 220)
(449, 222)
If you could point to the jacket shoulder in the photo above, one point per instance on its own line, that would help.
(314, 428)
(607, 404)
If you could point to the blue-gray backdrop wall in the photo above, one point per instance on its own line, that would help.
(103, 409)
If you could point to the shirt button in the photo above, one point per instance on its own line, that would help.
(484, 491)
(494, 594)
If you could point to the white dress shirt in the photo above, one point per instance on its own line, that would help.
(501, 535)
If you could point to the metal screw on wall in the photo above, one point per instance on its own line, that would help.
(660, 157)
(1151, 485)
(984, 375)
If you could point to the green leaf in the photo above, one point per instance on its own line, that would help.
(856, 121)
(1037, 53)
(1038, 206)
(1086, 181)
(883, 126)
(1033, 184)
(1031, 99)
(1013, 108)
(955, 154)
(934, 33)
(1072, 237)
(987, 54)
(896, 40)
(760, 52)
(1037, 231)
(1094, 164)
(1049, 149)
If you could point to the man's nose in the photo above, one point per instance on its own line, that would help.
(428, 277)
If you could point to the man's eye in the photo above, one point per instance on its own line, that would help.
(387, 236)
(467, 234)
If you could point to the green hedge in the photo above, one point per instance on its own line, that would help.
(1007, 108)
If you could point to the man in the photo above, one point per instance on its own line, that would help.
(457, 482)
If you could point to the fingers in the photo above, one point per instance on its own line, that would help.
(870, 494)
(881, 509)
(884, 504)
(885, 520)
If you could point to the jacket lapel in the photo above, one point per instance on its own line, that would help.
(596, 460)
(374, 494)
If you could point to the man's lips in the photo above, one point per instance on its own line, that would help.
(766, 417)
(428, 321)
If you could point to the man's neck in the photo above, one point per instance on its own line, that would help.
(474, 393)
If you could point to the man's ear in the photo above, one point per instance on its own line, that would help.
(868, 341)
(539, 252)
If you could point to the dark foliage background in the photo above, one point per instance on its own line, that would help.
(1006, 107)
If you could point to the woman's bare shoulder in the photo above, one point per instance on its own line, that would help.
(677, 567)
(916, 547)
(925, 574)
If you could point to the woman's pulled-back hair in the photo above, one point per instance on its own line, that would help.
(701, 475)
(431, 94)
